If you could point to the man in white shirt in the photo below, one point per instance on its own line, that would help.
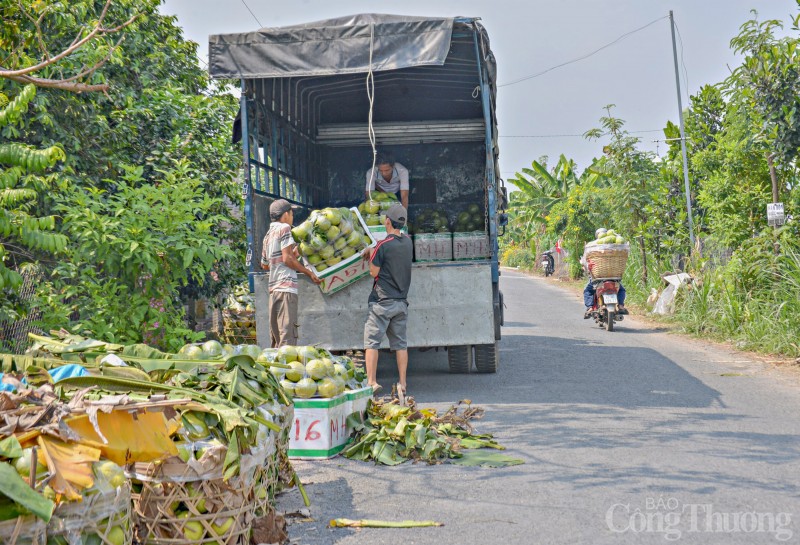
(388, 177)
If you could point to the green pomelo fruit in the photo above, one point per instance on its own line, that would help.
(252, 350)
(305, 388)
(288, 386)
(333, 261)
(332, 234)
(340, 243)
(314, 259)
(372, 207)
(23, 464)
(340, 370)
(184, 451)
(317, 242)
(116, 535)
(327, 252)
(354, 239)
(212, 349)
(110, 472)
(221, 527)
(296, 372)
(328, 366)
(306, 250)
(194, 353)
(307, 353)
(341, 386)
(316, 369)
(321, 223)
(327, 387)
(348, 252)
(193, 529)
(333, 215)
(287, 354)
(346, 227)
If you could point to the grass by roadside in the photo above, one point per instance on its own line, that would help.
(672, 325)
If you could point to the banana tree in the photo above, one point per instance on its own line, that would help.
(540, 189)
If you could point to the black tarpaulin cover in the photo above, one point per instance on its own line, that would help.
(333, 46)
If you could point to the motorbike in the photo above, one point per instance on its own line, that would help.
(605, 309)
(548, 263)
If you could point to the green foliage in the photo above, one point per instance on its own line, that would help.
(753, 299)
(514, 255)
(149, 181)
(136, 244)
(575, 221)
(23, 233)
(771, 74)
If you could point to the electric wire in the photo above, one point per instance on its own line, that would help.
(253, 14)
(565, 135)
(598, 50)
(685, 72)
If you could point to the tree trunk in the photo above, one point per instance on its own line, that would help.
(774, 176)
(644, 261)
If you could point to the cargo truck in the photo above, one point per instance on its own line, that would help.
(426, 87)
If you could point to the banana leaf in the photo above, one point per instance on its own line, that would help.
(12, 486)
(366, 523)
(486, 459)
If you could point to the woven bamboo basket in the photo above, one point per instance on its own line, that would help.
(101, 518)
(238, 327)
(28, 530)
(607, 260)
(178, 503)
(275, 472)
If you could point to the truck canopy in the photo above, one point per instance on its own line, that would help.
(333, 46)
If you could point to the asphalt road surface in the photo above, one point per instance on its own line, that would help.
(634, 436)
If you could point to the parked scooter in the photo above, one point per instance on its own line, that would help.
(548, 263)
(605, 309)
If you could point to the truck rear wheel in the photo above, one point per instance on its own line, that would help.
(486, 358)
(459, 358)
(498, 316)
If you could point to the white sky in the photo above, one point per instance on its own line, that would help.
(529, 36)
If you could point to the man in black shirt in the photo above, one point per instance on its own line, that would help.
(390, 266)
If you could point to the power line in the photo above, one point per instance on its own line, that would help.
(253, 14)
(565, 135)
(584, 56)
(685, 72)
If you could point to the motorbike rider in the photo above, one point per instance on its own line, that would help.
(589, 291)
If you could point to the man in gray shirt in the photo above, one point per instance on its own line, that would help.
(390, 266)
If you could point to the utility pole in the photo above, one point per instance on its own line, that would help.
(683, 134)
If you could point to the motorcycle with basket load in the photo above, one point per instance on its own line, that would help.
(605, 259)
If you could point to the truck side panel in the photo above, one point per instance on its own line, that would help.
(443, 310)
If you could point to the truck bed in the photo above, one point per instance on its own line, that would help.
(443, 310)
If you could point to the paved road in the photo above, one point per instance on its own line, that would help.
(635, 436)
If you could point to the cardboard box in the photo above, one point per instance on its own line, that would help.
(378, 232)
(471, 246)
(433, 247)
(348, 270)
(321, 428)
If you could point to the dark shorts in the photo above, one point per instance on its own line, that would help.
(386, 318)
